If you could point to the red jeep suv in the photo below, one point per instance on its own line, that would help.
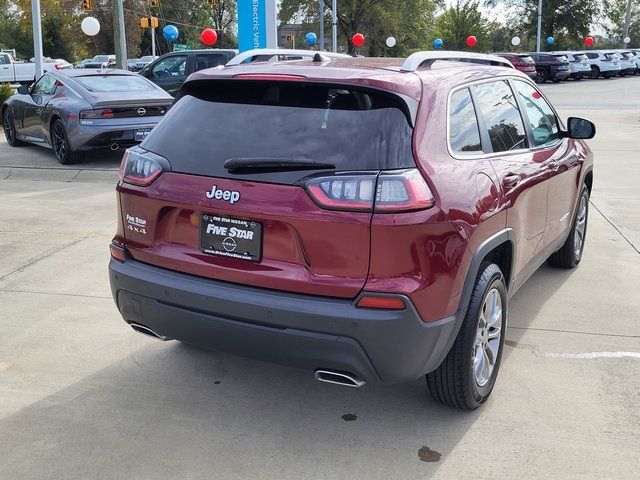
(364, 219)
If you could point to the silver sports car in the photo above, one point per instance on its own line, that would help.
(72, 111)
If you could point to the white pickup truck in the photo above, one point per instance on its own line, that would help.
(19, 72)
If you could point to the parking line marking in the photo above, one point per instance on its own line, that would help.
(542, 353)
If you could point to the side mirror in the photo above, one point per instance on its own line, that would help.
(24, 89)
(580, 129)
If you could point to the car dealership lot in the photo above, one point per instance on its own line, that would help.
(83, 396)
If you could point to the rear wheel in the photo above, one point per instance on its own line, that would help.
(595, 72)
(570, 253)
(60, 144)
(9, 128)
(466, 377)
(541, 75)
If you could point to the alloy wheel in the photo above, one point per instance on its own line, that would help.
(7, 123)
(581, 227)
(59, 140)
(487, 344)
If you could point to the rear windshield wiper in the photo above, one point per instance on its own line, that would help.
(263, 165)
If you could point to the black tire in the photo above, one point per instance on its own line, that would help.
(60, 144)
(541, 75)
(595, 72)
(9, 127)
(579, 77)
(454, 382)
(569, 255)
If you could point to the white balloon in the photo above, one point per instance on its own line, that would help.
(391, 42)
(515, 41)
(626, 40)
(90, 26)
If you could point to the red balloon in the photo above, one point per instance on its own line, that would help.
(358, 39)
(209, 36)
(471, 41)
(589, 41)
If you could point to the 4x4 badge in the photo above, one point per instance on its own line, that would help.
(231, 196)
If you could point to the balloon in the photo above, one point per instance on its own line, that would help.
(626, 40)
(515, 41)
(209, 36)
(391, 42)
(471, 41)
(589, 41)
(551, 41)
(170, 33)
(311, 38)
(90, 26)
(438, 43)
(358, 39)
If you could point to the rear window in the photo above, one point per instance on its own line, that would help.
(562, 58)
(526, 58)
(351, 128)
(114, 83)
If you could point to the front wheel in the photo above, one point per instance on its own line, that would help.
(595, 72)
(570, 253)
(61, 146)
(9, 127)
(541, 75)
(466, 377)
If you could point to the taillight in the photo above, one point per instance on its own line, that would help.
(402, 191)
(390, 191)
(117, 252)
(96, 114)
(58, 66)
(140, 167)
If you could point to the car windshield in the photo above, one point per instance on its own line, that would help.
(562, 58)
(100, 58)
(353, 129)
(580, 57)
(148, 58)
(526, 58)
(114, 83)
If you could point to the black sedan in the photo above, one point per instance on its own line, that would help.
(72, 111)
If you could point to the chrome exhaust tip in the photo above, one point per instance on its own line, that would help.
(147, 331)
(338, 378)
(114, 146)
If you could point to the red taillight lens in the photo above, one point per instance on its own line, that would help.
(140, 167)
(383, 303)
(98, 113)
(402, 191)
(344, 192)
(117, 252)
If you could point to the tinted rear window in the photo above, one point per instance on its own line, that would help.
(353, 129)
(114, 83)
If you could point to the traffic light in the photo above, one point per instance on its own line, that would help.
(155, 3)
(144, 22)
(86, 5)
(153, 22)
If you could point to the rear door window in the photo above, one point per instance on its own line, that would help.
(464, 134)
(209, 61)
(214, 121)
(501, 115)
(541, 117)
(173, 66)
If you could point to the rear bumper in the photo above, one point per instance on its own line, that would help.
(560, 74)
(303, 331)
(87, 137)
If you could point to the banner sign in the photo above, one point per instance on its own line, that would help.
(252, 24)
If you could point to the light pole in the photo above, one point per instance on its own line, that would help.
(334, 21)
(627, 21)
(37, 37)
(539, 35)
(321, 24)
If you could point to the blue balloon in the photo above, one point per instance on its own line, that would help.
(170, 33)
(551, 40)
(311, 38)
(438, 43)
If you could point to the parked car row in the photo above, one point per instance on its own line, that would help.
(561, 65)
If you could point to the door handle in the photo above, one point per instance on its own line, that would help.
(511, 181)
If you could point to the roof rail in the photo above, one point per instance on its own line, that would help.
(274, 53)
(420, 59)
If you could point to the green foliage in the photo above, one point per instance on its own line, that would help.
(409, 21)
(6, 91)
(614, 12)
(459, 22)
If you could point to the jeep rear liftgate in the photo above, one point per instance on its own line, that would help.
(274, 189)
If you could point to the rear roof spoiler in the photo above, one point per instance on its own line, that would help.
(425, 59)
(274, 53)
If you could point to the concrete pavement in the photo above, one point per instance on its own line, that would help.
(83, 396)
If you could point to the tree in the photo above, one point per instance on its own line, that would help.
(614, 12)
(409, 21)
(460, 21)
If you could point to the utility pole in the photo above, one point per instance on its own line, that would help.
(37, 37)
(334, 22)
(627, 21)
(321, 24)
(119, 34)
(539, 34)
(153, 42)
